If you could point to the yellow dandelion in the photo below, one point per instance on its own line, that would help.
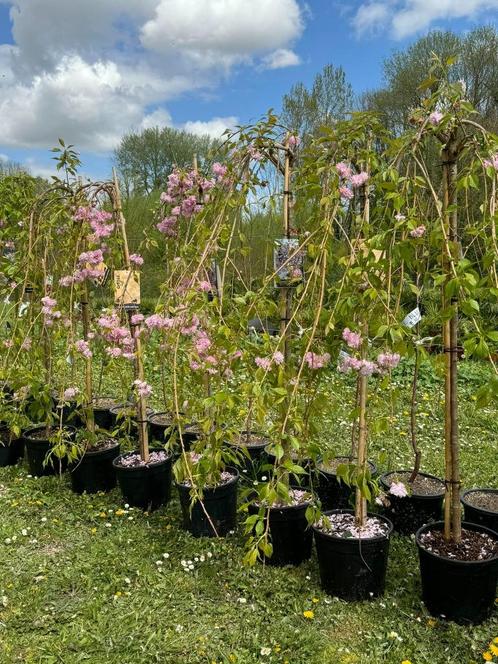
(406, 661)
(119, 512)
(494, 649)
(487, 656)
(315, 600)
(431, 622)
(495, 640)
(118, 594)
(93, 531)
(102, 515)
(277, 648)
(309, 615)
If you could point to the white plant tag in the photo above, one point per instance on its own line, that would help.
(412, 318)
(23, 308)
(343, 355)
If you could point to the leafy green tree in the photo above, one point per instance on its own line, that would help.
(144, 159)
(476, 64)
(330, 99)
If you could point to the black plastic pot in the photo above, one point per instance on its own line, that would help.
(462, 591)
(158, 429)
(333, 493)
(94, 471)
(479, 515)
(10, 450)
(290, 534)
(147, 487)
(301, 481)
(36, 453)
(250, 464)
(410, 513)
(103, 417)
(220, 503)
(352, 569)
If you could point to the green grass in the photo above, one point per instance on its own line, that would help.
(83, 584)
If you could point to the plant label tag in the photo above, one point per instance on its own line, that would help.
(288, 262)
(412, 318)
(126, 288)
(343, 355)
(23, 308)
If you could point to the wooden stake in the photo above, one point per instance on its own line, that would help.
(85, 318)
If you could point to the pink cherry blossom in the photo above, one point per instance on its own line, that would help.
(136, 259)
(315, 361)
(398, 489)
(353, 339)
(70, 393)
(435, 117)
(418, 232)
(344, 170)
(359, 179)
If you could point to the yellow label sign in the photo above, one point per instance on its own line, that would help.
(126, 287)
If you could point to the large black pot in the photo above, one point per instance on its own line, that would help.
(147, 487)
(37, 449)
(462, 591)
(94, 472)
(11, 449)
(103, 417)
(352, 569)
(124, 416)
(300, 481)
(251, 457)
(410, 513)
(220, 503)
(479, 515)
(333, 493)
(159, 425)
(290, 534)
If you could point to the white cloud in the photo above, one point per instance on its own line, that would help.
(404, 18)
(4, 158)
(158, 118)
(282, 57)
(222, 32)
(91, 71)
(214, 127)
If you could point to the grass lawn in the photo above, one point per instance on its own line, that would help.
(82, 579)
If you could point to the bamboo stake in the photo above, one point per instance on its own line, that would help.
(135, 331)
(85, 317)
(286, 299)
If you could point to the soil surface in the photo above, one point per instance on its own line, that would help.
(422, 486)
(105, 403)
(251, 440)
(297, 497)
(101, 445)
(164, 419)
(6, 436)
(483, 500)
(225, 478)
(331, 465)
(474, 545)
(41, 434)
(343, 526)
(134, 459)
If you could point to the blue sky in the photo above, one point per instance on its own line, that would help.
(89, 70)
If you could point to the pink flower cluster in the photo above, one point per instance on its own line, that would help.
(349, 179)
(353, 339)
(70, 393)
(398, 489)
(385, 362)
(185, 196)
(143, 389)
(315, 361)
(136, 259)
(418, 232)
(435, 118)
(293, 141)
(48, 310)
(254, 153)
(83, 348)
(98, 221)
(121, 343)
(266, 363)
(492, 162)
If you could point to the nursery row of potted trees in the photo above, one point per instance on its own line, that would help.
(366, 231)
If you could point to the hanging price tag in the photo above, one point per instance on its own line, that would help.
(412, 318)
(126, 288)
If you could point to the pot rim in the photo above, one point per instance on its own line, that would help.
(233, 471)
(336, 538)
(372, 465)
(265, 442)
(153, 464)
(25, 433)
(439, 525)
(89, 451)
(477, 490)
(416, 495)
